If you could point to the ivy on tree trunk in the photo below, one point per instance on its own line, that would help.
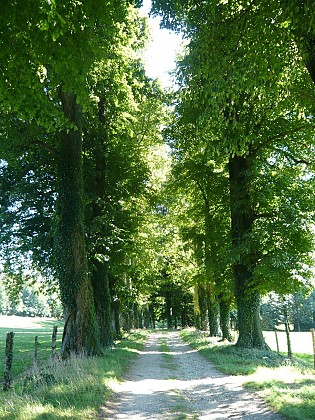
(225, 307)
(242, 218)
(80, 331)
(102, 300)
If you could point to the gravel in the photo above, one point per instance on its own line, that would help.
(182, 386)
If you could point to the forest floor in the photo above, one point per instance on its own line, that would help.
(170, 380)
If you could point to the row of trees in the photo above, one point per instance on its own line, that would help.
(122, 224)
(243, 148)
(79, 119)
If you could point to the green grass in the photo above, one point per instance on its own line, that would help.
(75, 389)
(168, 358)
(287, 385)
(24, 337)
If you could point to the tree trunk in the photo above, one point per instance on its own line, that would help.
(100, 280)
(287, 330)
(224, 305)
(212, 304)
(117, 331)
(169, 317)
(80, 330)
(102, 301)
(203, 305)
(242, 218)
(213, 312)
(196, 308)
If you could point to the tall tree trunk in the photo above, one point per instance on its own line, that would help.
(225, 305)
(212, 304)
(242, 218)
(213, 315)
(203, 306)
(100, 279)
(102, 300)
(80, 331)
(117, 329)
(196, 308)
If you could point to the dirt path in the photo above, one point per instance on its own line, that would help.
(169, 380)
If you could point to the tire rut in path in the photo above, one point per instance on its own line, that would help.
(180, 384)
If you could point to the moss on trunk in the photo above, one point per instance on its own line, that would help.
(80, 331)
(225, 305)
(102, 300)
(242, 218)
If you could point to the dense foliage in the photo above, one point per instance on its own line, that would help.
(138, 206)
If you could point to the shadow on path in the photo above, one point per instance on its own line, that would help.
(180, 384)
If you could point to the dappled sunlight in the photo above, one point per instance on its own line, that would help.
(163, 352)
(194, 387)
(208, 391)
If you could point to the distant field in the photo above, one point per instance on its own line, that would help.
(25, 329)
(301, 342)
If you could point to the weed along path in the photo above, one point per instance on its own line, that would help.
(169, 380)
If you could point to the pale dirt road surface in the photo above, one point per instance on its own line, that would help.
(169, 380)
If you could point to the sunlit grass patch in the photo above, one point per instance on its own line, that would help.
(290, 390)
(78, 389)
(25, 330)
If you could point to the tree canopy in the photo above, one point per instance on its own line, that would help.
(140, 205)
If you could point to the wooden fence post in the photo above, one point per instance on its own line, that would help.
(313, 339)
(53, 341)
(36, 353)
(8, 361)
(277, 341)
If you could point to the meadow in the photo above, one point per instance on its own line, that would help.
(75, 389)
(25, 330)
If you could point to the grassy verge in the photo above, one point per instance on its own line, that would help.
(287, 385)
(74, 390)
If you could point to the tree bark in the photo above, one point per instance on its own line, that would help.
(212, 304)
(80, 331)
(203, 306)
(117, 329)
(224, 305)
(242, 218)
(213, 315)
(102, 301)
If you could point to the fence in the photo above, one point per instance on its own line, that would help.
(9, 355)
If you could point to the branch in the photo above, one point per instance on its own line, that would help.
(203, 193)
(45, 146)
(294, 159)
(255, 150)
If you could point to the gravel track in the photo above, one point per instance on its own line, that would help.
(169, 380)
